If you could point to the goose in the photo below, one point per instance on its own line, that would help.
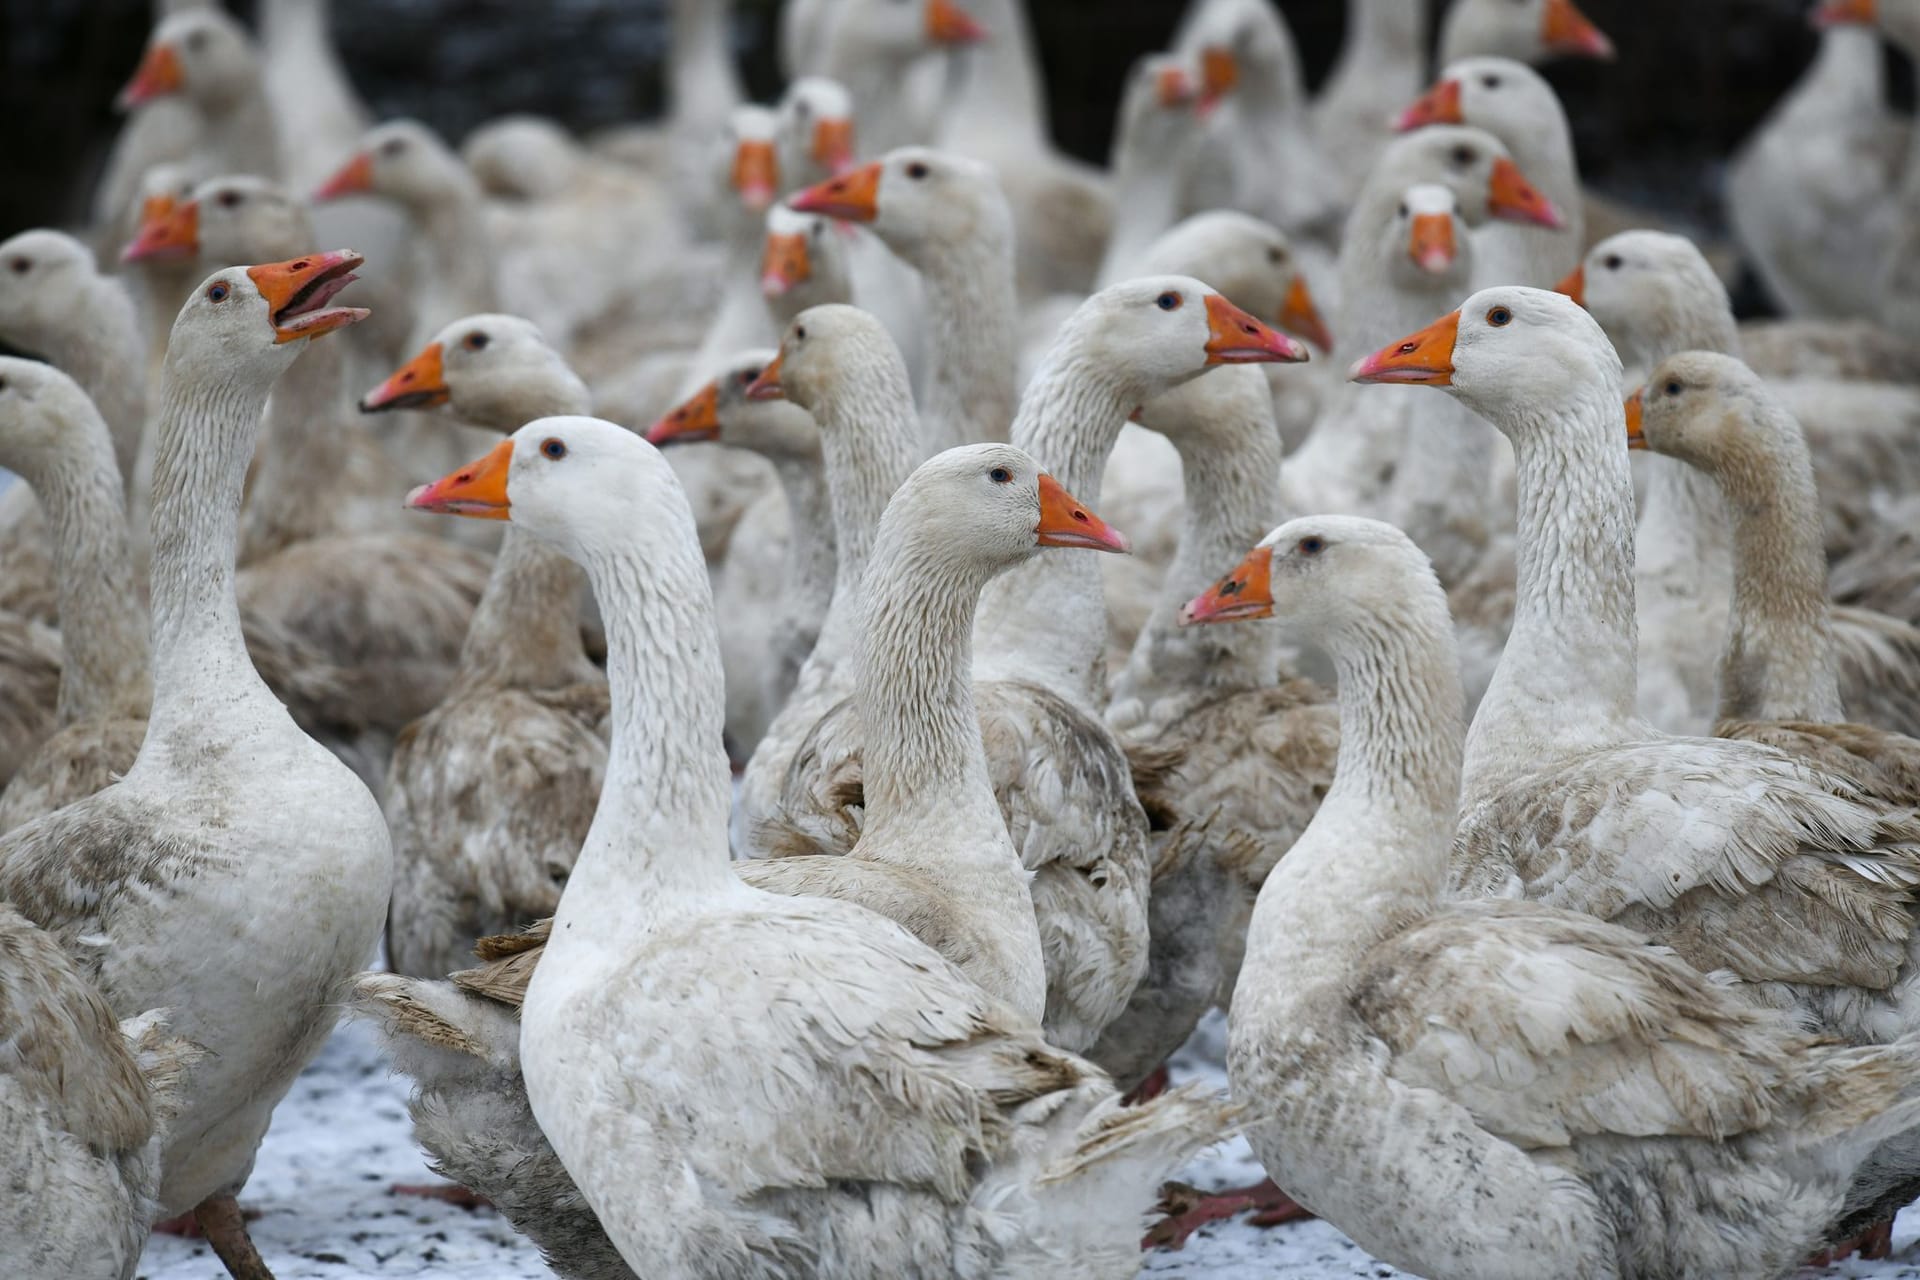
(703, 87)
(159, 133)
(85, 1103)
(816, 131)
(1156, 129)
(879, 50)
(52, 435)
(238, 873)
(319, 112)
(1656, 296)
(1569, 795)
(1605, 1107)
(1711, 412)
(1532, 31)
(488, 795)
(206, 57)
(1381, 64)
(1515, 104)
(30, 689)
(945, 216)
(920, 1028)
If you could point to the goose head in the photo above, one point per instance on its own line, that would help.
(239, 218)
(1157, 109)
(1655, 295)
(1247, 259)
(403, 161)
(1239, 44)
(804, 261)
(45, 418)
(1898, 19)
(1505, 97)
(816, 130)
(1712, 412)
(1429, 241)
(522, 157)
(1474, 165)
(722, 410)
(894, 32)
(1523, 359)
(257, 318)
(1156, 332)
(202, 55)
(1316, 576)
(744, 161)
(47, 284)
(989, 505)
(1532, 31)
(494, 371)
(825, 350)
(918, 200)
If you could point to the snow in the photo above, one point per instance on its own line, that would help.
(341, 1139)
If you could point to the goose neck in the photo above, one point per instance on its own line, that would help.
(104, 351)
(811, 566)
(525, 632)
(460, 251)
(971, 306)
(997, 97)
(304, 448)
(702, 82)
(1146, 202)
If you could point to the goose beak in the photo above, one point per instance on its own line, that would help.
(853, 196)
(1234, 337)
(1172, 89)
(1219, 74)
(420, 383)
(948, 23)
(1635, 406)
(1432, 247)
(169, 228)
(1065, 522)
(297, 293)
(1844, 13)
(355, 177)
(1247, 592)
(697, 419)
(756, 173)
(1439, 105)
(478, 489)
(832, 147)
(1424, 359)
(158, 75)
(767, 385)
(784, 264)
(1511, 198)
(1574, 286)
(1566, 30)
(1299, 314)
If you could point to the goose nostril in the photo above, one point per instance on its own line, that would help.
(301, 265)
(1080, 515)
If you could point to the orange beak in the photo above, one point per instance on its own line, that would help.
(697, 419)
(1575, 285)
(1064, 522)
(297, 293)
(169, 229)
(355, 176)
(1234, 337)
(1511, 198)
(1432, 247)
(1439, 105)
(1298, 314)
(832, 146)
(853, 196)
(1566, 30)
(1424, 359)
(767, 385)
(420, 383)
(784, 264)
(1247, 592)
(1172, 88)
(478, 489)
(1844, 13)
(1219, 74)
(756, 173)
(948, 23)
(1635, 405)
(158, 75)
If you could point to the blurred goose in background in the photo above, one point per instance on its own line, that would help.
(1531, 31)
(1382, 64)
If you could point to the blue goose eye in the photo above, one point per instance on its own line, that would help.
(1312, 546)
(218, 292)
(1168, 301)
(1000, 475)
(554, 447)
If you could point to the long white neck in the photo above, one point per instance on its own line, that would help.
(1382, 60)
(972, 362)
(998, 102)
(807, 593)
(703, 85)
(99, 344)
(306, 444)
(1845, 81)
(742, 320)
(525, 632)
(1146, 202)
(240, 135)
(1567, 678)
(458, 252)
(1440, 495)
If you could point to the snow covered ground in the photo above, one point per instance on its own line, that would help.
(341, 1139)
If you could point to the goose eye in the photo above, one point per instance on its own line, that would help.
(1312, 546)
(1000, 475)
(197, 41)
(218, 292)
(917, 170)
(748, 378)
(1492, 82)
(1499, 317)
(1168, 301)
(1403, 209)
(1673, 387)
(1612, 262)
(476, 341)
(3, 384)
(553, 447)
(1464, 156)
(1276, 256)
(21, 266)
(393, 146)
(227, 199)
(800, 334)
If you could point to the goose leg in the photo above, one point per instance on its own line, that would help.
(1188, 1209)
(226, 1230)
(187, 1225)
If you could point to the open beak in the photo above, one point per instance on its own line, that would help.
(832, 147)
(1845, 13)
(785, 263)
(948, 23)
(1438, 105)
(854, 196)
(354, 177)
(420, 383)
(1511, 198)
(1247, 592)
(697, 419)
(1432, 246)
(1219, 74)
(1299, 314)
(1575, 285)
(158, 75)
(1172, 89)
(1234, 337)
(169, 229)
(767, 385)
(1635, 405)
(1064, 522)
(297, 293)
(478, 489)
(756, 173)
(1566, 30)
(1424, 359)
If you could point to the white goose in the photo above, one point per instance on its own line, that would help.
(1531, 31)
(1382, 64)
(271, 858)
(652, 911)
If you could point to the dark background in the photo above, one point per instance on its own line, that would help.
(1693, 77)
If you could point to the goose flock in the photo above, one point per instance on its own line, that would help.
(769, 837)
